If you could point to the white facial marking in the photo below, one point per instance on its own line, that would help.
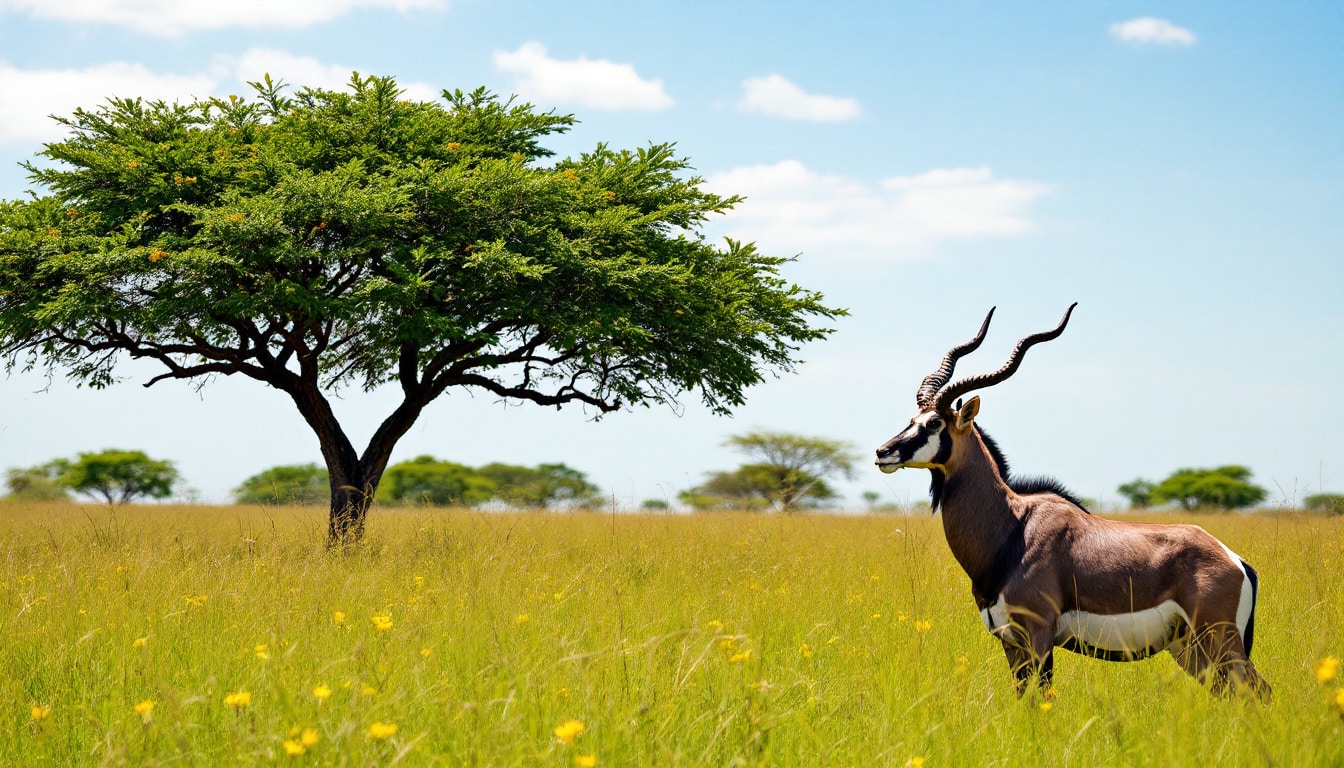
(1140, 631)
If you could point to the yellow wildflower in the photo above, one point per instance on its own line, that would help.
(1327, 669)
(425, 652)
(806, 651)
(338, 618)
(923, 626)
(381, 622)
(1046, 706)
(569, 730)
(1338, 701)
(309, 737)
(195, 601)
(293, 748)
(521, 618)
(368, 690)
(585, 761)
(714, 624)
(915, 762)
(260, 650)
(139, 642)
(738, 658)
(380, 730)
(238, 700)
(40, 713)
(453, 146)
(322, 692)
(145, 710)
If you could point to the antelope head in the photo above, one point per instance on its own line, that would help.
(926, 443)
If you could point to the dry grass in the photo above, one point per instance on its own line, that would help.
(675, 640)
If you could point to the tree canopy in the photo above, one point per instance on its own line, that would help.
(117, 476)
(426, 480)
(1228, 487)
(791, 470)
(289, 484)
(328, 239)
(541, 486)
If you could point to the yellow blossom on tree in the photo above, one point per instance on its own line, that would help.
(238, 700)
(380, 730)
(569, 730)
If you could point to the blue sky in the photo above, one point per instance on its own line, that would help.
(1176, 168)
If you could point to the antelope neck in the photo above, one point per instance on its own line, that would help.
(981, 526)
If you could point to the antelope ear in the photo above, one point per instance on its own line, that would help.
(966, 414)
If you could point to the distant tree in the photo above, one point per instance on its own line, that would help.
(118, 476)
(541, 486)
(426, 480)
(654, 505)
(791, 470)
(1329, 503)
(320, 239)
(758, 486)
(1139, 492)
(1228, 487)
(35, 483)
(292, 484)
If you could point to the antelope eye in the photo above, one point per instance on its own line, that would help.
(934, 424)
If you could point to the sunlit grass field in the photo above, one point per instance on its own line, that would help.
(228, 635)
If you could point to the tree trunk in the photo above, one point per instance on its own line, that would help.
(350, 504)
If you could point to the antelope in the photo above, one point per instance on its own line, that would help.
(1045, 573)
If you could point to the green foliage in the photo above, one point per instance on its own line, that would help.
(791, 471)
(35, 484)
(1139, 492)
(1329, 503)
(542, 486)
(426, 480)
(1227, 487)
(304, 484)
(357, 238)
(654, 505)
(118, 476)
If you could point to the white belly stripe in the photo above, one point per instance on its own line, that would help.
(1148, 629)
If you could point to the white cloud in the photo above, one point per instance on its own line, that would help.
(1150, 30)
(600, 84)
(774, 95)
(299, 71)
(28, 97)
(175, 17)
(790, 208)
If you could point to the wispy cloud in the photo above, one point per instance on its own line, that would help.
(1148, 30)
(29, 96)
(775, 95)
(791, 208)
(595, 83)
(170, 18)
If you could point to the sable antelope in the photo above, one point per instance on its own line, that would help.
(1045, 573)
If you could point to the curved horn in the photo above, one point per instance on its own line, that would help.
(1009, 368)
(928, 389)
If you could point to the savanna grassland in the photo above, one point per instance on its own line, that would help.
(228, 635)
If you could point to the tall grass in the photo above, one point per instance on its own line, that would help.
(707, 640)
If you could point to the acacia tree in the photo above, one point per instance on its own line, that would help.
(356, 238)
(789, 469)
(117, 476)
